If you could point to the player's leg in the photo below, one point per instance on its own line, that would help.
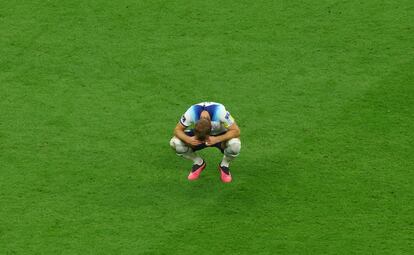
(184, 150)
(231, 151)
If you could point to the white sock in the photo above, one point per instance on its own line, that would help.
(226, 160)
(191, 155)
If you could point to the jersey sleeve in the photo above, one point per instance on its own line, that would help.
(226, 118)
(187, 118)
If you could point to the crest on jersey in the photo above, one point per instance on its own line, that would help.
(183, 119)
(227, 116)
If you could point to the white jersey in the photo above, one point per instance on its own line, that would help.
(221, 119)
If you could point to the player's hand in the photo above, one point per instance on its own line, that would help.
(193, 141)
(211, 140)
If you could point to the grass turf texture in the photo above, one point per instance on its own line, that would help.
(90, 93)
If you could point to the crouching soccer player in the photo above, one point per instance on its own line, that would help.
(207, 124)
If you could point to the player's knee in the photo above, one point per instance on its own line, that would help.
(179, 146)
(233, 147)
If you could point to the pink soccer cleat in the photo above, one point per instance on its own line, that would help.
(196, 171)
(225, 173)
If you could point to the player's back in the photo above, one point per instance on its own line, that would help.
(220, 117)
(214, 109)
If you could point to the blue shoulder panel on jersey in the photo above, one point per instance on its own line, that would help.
(212, 110)
(197, 109)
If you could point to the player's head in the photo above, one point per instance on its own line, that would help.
(202, 129)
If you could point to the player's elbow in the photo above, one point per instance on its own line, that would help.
(237, 132)
(176, 131)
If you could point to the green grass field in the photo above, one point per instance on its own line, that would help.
(90, 92)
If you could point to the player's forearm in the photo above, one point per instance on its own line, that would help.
(229, 135)
(180, 135)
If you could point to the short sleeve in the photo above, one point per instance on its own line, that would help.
(226, 118)
(186, 120)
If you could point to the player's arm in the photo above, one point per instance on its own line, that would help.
(180, 134)
(233, 131)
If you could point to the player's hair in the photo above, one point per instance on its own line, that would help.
(202, 129)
